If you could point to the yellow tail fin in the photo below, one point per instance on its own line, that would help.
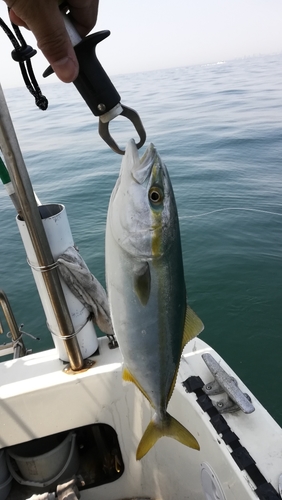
(169, 427)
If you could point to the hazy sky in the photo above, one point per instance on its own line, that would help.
(153, 34)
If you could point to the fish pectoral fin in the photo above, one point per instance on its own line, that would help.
(128, 377)
(142, 283)
(168, 427)
(192, 326)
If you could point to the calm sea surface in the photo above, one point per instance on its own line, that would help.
(219, 129)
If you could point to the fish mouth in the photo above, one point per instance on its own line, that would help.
(140, 168)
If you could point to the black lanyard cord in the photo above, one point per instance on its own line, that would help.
(22, 54)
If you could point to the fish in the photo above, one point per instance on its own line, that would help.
(146, 287)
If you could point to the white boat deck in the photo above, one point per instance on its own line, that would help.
(38, 399)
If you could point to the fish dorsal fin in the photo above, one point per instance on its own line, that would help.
(192, 326)
(128, 377)
(142, 283)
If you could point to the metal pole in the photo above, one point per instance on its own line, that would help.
(30, 213)
(20, 349)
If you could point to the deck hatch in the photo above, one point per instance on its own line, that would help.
(99, 460)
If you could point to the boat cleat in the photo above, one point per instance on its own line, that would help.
(234, 399)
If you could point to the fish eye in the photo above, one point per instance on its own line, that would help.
(156, 195)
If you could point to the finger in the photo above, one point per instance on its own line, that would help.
(17, 20)
(84, 15)
(54, 42)
(46, 22)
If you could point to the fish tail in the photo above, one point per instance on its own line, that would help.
(167, 426)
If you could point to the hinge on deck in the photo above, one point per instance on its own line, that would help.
(234, 399)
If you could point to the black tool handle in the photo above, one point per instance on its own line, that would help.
(93, 82)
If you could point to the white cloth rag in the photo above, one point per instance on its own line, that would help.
(43, 496)
(86, 288)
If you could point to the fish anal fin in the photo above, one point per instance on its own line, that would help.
(192, 326)
(128, 377)
(168, 427)
(142, 283)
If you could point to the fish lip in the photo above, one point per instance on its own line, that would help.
(140, 168)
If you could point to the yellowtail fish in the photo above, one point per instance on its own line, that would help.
(146, 287)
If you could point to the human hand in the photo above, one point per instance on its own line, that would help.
(44, 19)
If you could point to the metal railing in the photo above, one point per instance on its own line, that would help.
(30, 213)
(17, 345)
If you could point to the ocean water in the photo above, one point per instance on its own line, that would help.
(218, 128)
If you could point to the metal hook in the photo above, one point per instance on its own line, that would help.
(131, 115)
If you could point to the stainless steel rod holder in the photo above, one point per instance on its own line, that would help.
(29, 211)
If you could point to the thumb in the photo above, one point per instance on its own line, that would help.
(46, 22)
